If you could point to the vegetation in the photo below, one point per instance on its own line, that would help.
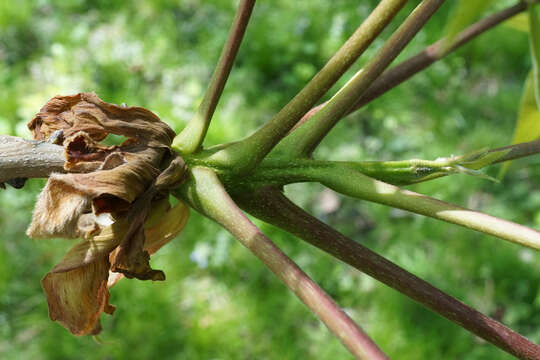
(218, 301)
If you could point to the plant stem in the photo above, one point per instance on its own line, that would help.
(346, 180)
(21, 158)
(363, 187)
(192, 137)
(270, 205)
(304, 139)
(248, 153)
(410, 67)
(406, 172)
(518, 150)
(283, 171)
(206, 194)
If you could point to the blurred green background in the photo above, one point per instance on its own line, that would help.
(219, 302)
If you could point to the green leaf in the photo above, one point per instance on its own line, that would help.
(482, 158)
(463, 14)
(534, 41)
(528, 122)
(518, 22)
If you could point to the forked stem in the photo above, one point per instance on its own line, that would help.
(419, 62)
(206, 194)
(192, 137)
(347, 181)
(269, 204)
(248, 153)
(305, 138)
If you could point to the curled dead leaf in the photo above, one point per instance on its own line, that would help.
(88, 113)
(77, 297)
(105, 198)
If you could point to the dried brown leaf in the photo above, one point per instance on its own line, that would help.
(87, 112)
(105, 199)
(58, 209)
(77, 297)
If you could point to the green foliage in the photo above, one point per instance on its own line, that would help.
(528, 120)
(534, 40)
(519, 22)
(219, 301)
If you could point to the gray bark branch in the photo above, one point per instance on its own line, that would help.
(21, 158)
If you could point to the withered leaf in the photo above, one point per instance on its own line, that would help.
(130, 258)
(77, 297)
(162, 225)
(87, 112)
(76, 281)
(58, 209)
(104, 198)
(109, 178)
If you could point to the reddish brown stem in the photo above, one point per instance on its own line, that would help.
(306, 138)
(518, 151)
(261, 142)
(191, 138)
(408, 68)
(270, 205)
(206, 194)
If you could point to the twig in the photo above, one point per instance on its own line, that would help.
(20, 158)
(518, 151)
(207, 195)
(278, 171)
(191, 138)
(410, 67)
(352, 183)
(273, 207)
(302, 141)
(246, 154)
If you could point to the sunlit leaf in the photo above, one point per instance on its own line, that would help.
(528, 122)
(534, 41)
(518, 22)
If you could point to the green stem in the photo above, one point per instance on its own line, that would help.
(248, 153)
(304, 139)
(269, 204)
(360, 186)
(344, 179)
(282, 171)
(207, 195)
(192, 137)
(410, 67)
(406, 172)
